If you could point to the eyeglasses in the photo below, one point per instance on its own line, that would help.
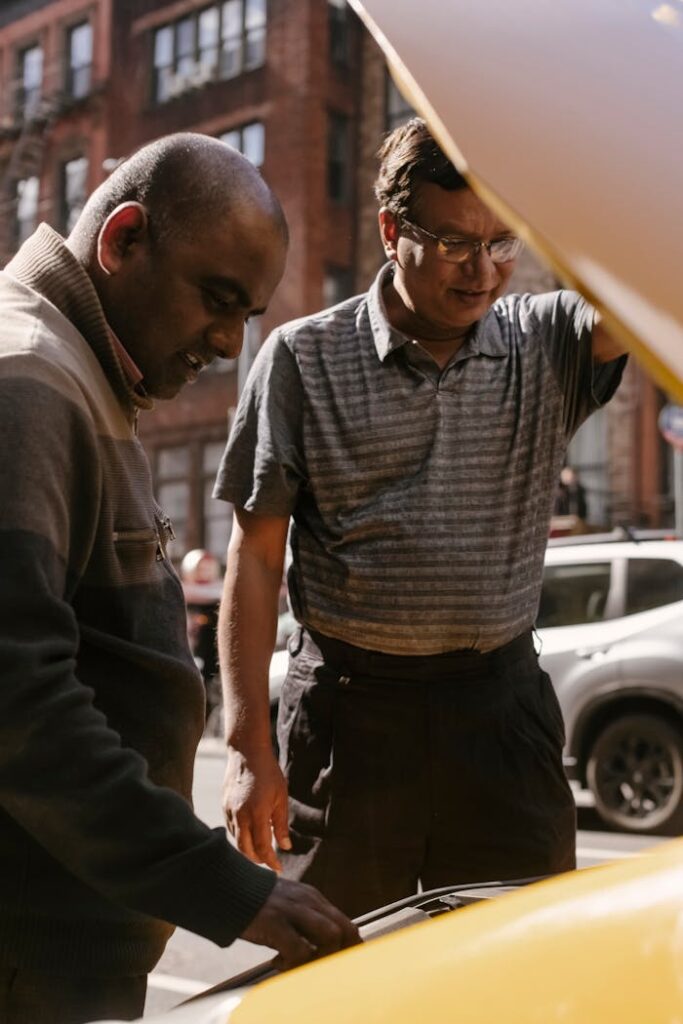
(460, 250)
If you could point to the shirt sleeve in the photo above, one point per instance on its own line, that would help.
(563, 323)
(263, 466)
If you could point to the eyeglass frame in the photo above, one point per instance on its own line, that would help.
(474, 247)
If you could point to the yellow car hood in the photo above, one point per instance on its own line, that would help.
(603, 946)
(566, 117)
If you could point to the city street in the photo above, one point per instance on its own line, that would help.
(191, 964)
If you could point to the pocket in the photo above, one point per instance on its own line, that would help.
(136, 550)
(306, 738)
(541, 706)
(552, 704)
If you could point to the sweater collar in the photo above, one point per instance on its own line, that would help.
(45, 264)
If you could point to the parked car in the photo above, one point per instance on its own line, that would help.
(610, 629)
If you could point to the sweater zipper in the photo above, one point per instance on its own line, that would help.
(165, 532)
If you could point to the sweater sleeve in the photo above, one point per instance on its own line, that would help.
(65, 776)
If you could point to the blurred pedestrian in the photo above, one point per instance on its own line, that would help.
(413, 435)
(101, 704)
(570, 499)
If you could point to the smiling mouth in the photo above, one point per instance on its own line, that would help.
(195, 362)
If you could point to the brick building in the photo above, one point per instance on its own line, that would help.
(303, 91)
(54, 65)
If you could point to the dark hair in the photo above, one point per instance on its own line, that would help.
(409, 156)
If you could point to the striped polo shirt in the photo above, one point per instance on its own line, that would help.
(420, 497)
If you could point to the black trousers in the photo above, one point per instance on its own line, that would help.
(29, 997)
(434, 770)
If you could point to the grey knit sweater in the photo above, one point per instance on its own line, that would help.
(101, 706)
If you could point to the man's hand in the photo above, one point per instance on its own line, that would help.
(255, 804)
(300, 924)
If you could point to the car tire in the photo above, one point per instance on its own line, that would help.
(635, 773)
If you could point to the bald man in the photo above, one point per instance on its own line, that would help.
(101, 706)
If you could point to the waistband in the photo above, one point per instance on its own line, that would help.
(465, 663)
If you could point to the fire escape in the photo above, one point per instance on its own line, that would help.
(26, 124)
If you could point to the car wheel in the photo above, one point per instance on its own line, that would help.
(635, 773)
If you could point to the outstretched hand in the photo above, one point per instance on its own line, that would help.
(298, 922)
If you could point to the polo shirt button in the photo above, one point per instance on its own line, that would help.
(344, 680)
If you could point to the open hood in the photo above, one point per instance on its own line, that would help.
(566, 119)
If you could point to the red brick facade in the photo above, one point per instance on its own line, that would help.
(313, 89)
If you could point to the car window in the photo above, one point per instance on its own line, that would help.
(653, 582)
(573, 594)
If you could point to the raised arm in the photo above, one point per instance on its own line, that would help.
(255, 792)
(605, 346)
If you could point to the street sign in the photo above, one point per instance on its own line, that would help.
(671, 424)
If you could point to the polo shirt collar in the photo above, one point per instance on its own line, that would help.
(387, 339)
(486, 338)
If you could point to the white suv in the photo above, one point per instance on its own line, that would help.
(610, 627)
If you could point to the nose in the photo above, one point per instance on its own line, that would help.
(226, 340)
(480, 268)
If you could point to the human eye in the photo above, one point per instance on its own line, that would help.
(505, 249)
(459, 248)
(218, 301)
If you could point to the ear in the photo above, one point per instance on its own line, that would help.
(389, 232)
(124, 228)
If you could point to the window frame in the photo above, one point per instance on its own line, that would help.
(215, 72)
(196, 479)
(25, 108)
(632, 560)
(72, 70)
(397, 118)
(19, 236)
(335, 117)
(64, 208)
(339, 34)
(614, 602)
(239, 130)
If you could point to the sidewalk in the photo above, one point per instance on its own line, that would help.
(211, 746)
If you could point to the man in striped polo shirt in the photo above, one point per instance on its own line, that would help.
(413, 436)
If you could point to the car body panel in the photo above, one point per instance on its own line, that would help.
(598, 945)
(565, 117)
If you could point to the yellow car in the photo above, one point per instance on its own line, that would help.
(566, 117)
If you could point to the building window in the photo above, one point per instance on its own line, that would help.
(217, 514)
(30, 81)
(338, 159)
(220, 41)
(28, 190)
(249, 139)
(398, 110)
(74, 191)
(173, 491)
(337, 285)
(243, 36)
(339, 33)
(79, 71)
